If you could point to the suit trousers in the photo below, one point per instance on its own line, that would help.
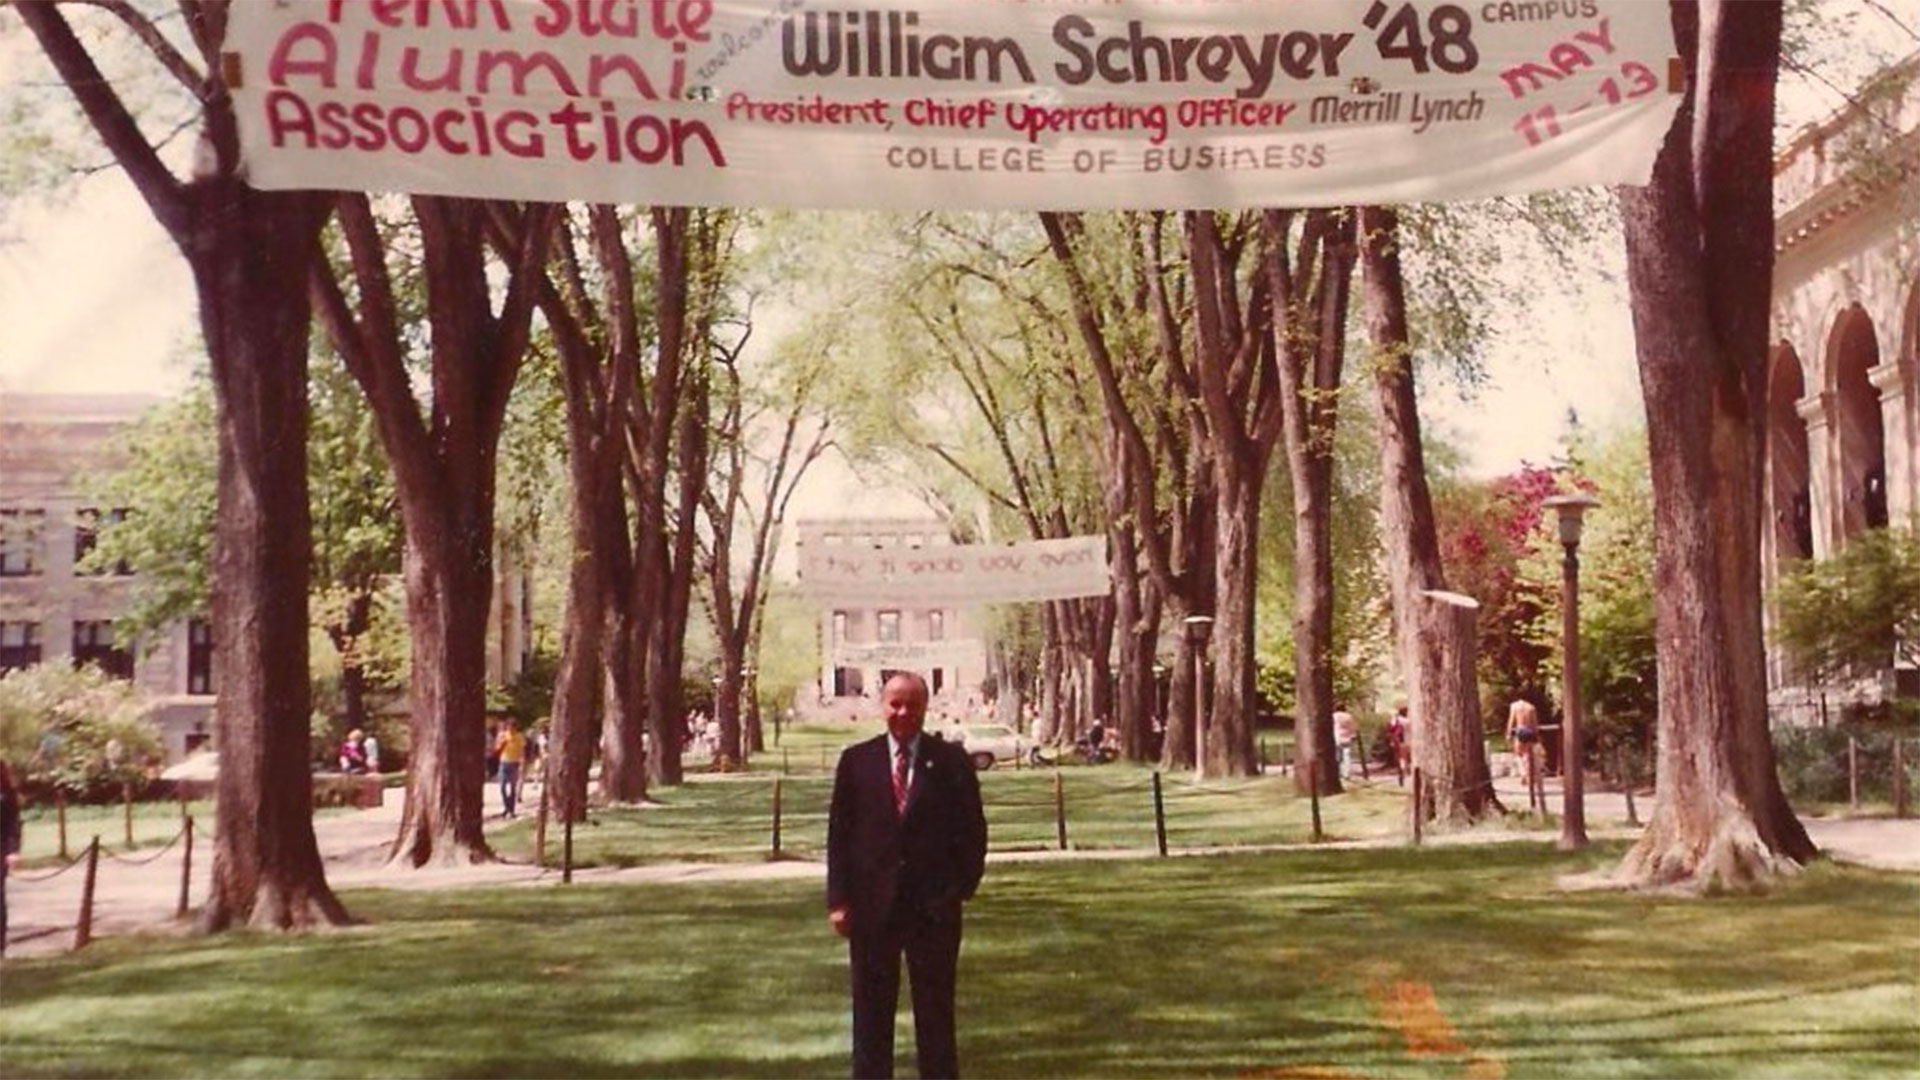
(931, 946)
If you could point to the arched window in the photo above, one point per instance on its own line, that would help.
(1860, 435)
(1789, 493)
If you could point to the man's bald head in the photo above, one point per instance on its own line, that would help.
(904, 702)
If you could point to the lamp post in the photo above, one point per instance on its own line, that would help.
(1571, 510)
(1199, 628)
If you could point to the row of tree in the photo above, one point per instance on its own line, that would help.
(434, 306)
(1140, 387)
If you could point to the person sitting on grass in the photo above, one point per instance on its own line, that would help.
(1096, 739)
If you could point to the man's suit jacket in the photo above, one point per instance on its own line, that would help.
(920, 864)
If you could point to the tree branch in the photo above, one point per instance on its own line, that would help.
(164, 194)
(197, 83)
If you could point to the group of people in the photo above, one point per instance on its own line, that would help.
(359, 753)
(509, 753)
(1347, 737)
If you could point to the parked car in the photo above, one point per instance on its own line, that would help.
(988, 743)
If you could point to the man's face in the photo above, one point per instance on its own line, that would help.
(905, 706)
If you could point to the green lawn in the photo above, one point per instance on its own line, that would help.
(730, 818)
(1442, 962)
(154, 824)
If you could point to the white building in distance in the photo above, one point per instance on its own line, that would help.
(861, 645)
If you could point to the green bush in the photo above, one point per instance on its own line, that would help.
(78, 731)
(1813, 763)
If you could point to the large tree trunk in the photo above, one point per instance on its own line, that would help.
(1102, 680)
(727, 696)
(1130, 705)
(623, 756)
(1700, 263)
(597, 375)
(446, 496)
(443, 469)
(250, 255)
(674, 573)
(1200, 551)
(1228, 736)
(346, 635)
(449, 575)
(1312, 298)
(579, 690)
(1315, 754)
(1436, 637)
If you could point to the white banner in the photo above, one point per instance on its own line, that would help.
(961, 575)
(951, 104)
(912, 655)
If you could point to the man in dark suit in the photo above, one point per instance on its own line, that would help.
(906, 845)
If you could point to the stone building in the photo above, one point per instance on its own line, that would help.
(50, 611)
(860, 645)
(1843, 400)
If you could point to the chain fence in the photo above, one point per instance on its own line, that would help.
(744, 817)
(86, 899)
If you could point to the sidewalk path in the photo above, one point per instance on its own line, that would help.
(141, 897)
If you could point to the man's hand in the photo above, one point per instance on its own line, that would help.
(841, 920)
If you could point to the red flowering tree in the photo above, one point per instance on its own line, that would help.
(1487, 531)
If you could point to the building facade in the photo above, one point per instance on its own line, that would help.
(50, 609)
(860, 645)
(1843, 397)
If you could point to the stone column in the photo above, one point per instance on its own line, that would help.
(827, 646)
(1900, 439)
(1823, 471)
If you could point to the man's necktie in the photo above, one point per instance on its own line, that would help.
(900, 758)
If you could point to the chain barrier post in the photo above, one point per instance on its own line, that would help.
(83, 931)
(786, 764)
(566, 853)
(1060, 809)
(776, 817)
(1853, 773)
(1159, 815)
(126, 803)
(540, 817)
(186, 870)
(60, 814)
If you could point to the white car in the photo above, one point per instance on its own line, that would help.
(988, 743)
